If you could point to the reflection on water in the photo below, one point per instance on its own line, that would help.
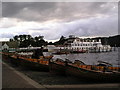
(92, 58)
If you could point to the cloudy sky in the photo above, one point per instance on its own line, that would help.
(54, 19)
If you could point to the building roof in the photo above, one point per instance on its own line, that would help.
(12, 44)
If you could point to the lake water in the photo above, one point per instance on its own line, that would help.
(92, 58)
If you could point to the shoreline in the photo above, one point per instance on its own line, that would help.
(65, 86)
(49, 78)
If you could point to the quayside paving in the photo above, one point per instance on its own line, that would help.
(14, 79)
(11, 78)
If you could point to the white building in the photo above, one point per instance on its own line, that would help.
(5, 46)
(79, 44)
(11, 46)
(89, 45)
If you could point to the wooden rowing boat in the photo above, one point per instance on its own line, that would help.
(28, 62)
(14, 60)
(41, 64)
(89, 72)
(95, 75)
(6, 57)
(57, 66)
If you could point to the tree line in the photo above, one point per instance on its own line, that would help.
(38, 41)
(113, 41)
(26, 40)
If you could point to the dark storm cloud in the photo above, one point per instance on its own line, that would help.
(53, 19)
(43, 11)
(27, 11)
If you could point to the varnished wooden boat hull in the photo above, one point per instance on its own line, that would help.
(33, 65)
(15, 61)
(57, 68)
(6, 58)
(91, 75)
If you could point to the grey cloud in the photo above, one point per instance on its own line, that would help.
(43, 11)
(89, 27)
(92, 27)
(106, 26)
(81, 19)
(26, 10)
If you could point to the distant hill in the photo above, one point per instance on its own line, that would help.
(113, 41)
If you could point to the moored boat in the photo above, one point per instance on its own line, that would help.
(102, 63)
(14, 60)
(27, 62)
(6, 56)
(41, 64)
(94, 73)
(59, 53)
(89, 72)
(57, 66)
(79, 51)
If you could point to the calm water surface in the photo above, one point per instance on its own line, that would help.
(92, 58)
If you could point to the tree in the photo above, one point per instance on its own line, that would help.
(24, 37)
(39, 41)
(16, 38)
(21, 37)
(11, 40)
(36, 39)
(29, 37)
(42, 42)
(61, 41)
(50, 43)
(62, 38)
